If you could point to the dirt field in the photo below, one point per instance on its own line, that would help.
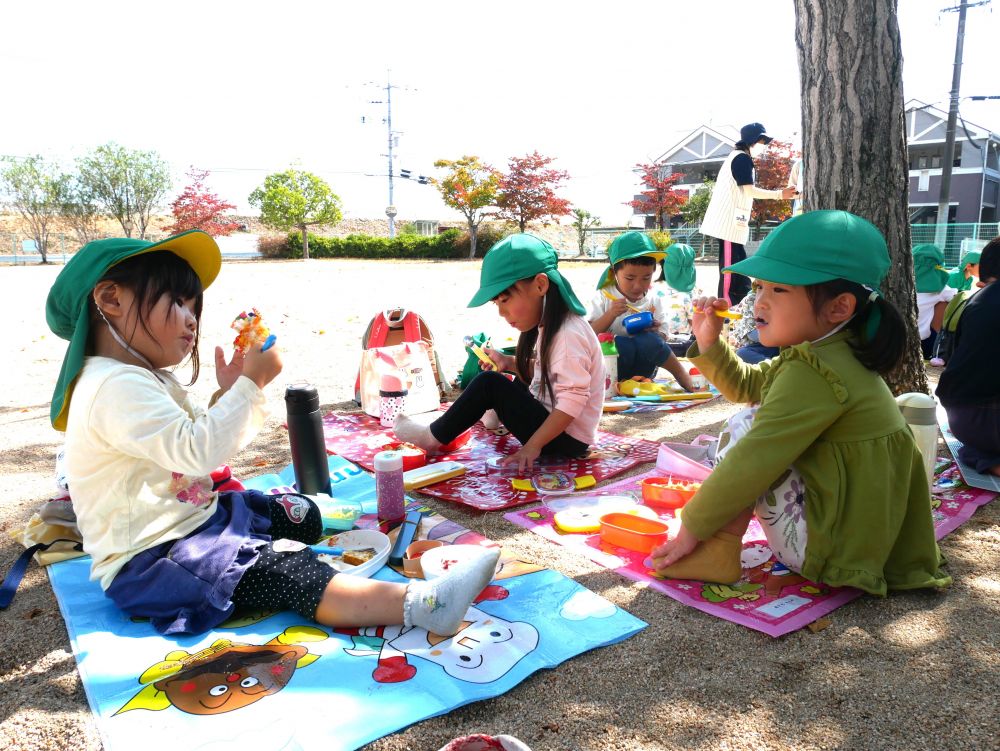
(916, 670)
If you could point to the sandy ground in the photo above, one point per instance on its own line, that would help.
(916, 670)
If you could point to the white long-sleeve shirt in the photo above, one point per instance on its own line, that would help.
(139, 454)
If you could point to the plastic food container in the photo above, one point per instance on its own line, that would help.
(461, 440)
(413, 456)
(670, 462)
(411, 561)
(633, 532)
(553, 483)
(637, 322)
(666, 491)
(338, 514)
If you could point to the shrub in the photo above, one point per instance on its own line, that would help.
(486, 238)
(442, 246)
(661, 239)
(274, 246)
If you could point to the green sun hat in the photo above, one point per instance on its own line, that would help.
(957, 277)
(630, 245)
(819, 246)
(679, 267)
(518, 257)
(66, 309)
(928, 271)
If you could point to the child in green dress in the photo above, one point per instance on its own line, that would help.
(826, 461)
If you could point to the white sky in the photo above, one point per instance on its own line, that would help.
(249, 88)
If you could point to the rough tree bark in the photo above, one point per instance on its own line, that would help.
(854, 138)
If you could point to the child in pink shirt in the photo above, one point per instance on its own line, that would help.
(554, 403)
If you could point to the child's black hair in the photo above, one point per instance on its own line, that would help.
(989, 261)
(554, 312)
(149, 276)
(636, 261)
(883, 351)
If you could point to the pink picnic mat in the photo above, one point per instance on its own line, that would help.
(769, 597)
(358, 437)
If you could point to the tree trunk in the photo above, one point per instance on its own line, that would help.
(473, 235)
(305, 242)
(854, 138)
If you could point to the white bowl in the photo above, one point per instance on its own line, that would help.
(358, 538)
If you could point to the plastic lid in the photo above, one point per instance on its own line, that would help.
(388, 461)
(607, 336)
(694, 371)
(391, 382)
(301, 399)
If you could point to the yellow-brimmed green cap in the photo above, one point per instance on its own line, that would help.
(819, 246)
(679, 267)
(624, 247)
(928, 272)
(518, 257)
(66, 309)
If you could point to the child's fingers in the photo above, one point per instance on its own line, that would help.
(220, 358)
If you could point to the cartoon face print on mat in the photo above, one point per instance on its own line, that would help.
(226, 676)
(484, 650)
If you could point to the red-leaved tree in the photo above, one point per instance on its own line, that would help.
(659, 197)
(772, 169)
(197, 208)
(528, 190)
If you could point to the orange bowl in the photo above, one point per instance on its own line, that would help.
(413, 456)
(455, 445)
(666, 491)
(632, 532)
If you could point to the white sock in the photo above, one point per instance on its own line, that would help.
(419, 434)
(490, 419)
(439, 605)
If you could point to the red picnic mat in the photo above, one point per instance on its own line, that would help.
(358, 437)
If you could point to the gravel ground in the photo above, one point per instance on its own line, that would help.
(917, 670)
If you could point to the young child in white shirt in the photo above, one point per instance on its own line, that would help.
(165, 544)
(625, 288)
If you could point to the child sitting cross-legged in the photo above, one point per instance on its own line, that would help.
(825, 461)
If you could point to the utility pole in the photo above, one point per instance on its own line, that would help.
(947, 161)
(390, 210)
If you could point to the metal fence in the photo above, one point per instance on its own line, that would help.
(958, 239)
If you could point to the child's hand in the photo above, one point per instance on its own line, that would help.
(673, 550)
(227, 373)
(705, 325)
(525, 459)
(262, 367)
(503, 362)
(619, 307)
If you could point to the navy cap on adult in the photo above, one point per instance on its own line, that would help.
(754, 132)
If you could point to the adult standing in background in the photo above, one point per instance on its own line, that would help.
(728, 216)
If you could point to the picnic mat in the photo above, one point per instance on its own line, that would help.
(280, 681)
(359, 437)
(972, 477)
(769, 597)
(672, 406)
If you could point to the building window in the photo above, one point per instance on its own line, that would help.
(922, 162)
(923, 182)
(936, 161)
(958, 157)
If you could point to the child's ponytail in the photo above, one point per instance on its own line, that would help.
(554, 313)
(879, 332)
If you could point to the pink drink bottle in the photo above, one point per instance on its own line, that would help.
(389, 485)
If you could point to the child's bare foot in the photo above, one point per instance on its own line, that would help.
(490, 420)
(716, 559)
(419, 434)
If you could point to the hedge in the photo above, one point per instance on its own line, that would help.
(441, 246)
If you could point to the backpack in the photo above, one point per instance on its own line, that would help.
(397, 326)
(947, 337)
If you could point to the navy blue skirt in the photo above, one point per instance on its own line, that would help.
(186, 586)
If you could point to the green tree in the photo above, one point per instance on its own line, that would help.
(469, 187)
(127, 184)
(583, 221)
(294, 199)
(80, 211)
(34, 189)
(693, 212)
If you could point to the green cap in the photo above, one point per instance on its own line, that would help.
(928, 271)
(679, 267)
(957, 277)
(518, 257)
(630, 245)
(66, 309)
(819, 246)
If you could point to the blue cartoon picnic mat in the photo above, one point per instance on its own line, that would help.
(280, 681)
